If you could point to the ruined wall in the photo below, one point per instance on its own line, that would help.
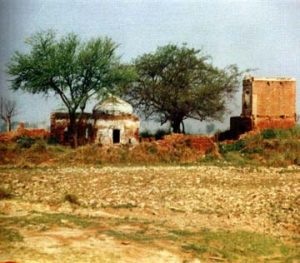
(59, 122)
(274, 97)
(273, 102)
(266, 103)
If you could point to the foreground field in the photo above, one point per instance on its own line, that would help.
(150, 214)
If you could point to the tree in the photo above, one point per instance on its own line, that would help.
(71, 69)
(175, 83)
(8, 110)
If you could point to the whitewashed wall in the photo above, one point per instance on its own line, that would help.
(128, 129)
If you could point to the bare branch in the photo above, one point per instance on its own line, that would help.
(8, 110)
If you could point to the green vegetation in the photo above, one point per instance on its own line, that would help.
(46, 220)
(269, 148)
(206, 243)
(235, 245)
(66, 67)
(177, 82)
(240, 246)
(135, 236)
(274, 147)
(25, 142)
(9, 235)
(157, 135)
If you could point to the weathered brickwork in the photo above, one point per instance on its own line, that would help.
(59, 123)
(266, 103)
(111, 122)
(270, 102)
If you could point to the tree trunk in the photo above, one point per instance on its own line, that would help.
(73, 132)
(176, 125)
(183, 127)
(8, 124)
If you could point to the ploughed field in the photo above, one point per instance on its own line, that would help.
(150, 214)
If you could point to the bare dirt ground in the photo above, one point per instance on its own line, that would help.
(150, 214)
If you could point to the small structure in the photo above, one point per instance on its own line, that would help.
(266, 103)
(111, 122)
(114, 122)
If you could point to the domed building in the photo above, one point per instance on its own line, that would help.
(111, 122)
(114, 122)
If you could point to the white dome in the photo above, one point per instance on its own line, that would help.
(113, 106)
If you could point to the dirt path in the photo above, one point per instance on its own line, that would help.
(150, 214)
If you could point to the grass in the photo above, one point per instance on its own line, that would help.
(9, 235)
(222, 245)
(240, 246)
(46, 219)
(131, 236)
(235, 245)
(271, 147)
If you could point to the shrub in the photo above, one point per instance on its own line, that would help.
(160, 133)
(232, 147)
(152, 149)
(146, 134)
(52, 140)
(3, 147)
(5, 193)
(71, 198)
(25, 142)
(269, 134)
(39, 146)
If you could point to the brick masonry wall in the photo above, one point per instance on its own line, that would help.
(59, 124)
(274, 98)
(267, 103)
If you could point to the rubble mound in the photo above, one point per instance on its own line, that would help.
(21, 131)
(201, 144)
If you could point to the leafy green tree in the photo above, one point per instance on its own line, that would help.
(175, 83)
(71, 69)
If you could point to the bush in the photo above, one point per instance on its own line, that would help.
(5, 193)
(52, 140)
(71, 198)
(146, 134)
(269, 134)
(232, 147)
(39, 146)
(160, 133)
(281, 133)
(25, 142)
(152, 149)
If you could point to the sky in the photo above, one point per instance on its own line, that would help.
(257, 34)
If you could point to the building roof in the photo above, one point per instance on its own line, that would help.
(113, 106)
(252, 78)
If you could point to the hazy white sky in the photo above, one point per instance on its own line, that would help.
(262, 34)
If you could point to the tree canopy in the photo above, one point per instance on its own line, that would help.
(71, 69)
(175, 83)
